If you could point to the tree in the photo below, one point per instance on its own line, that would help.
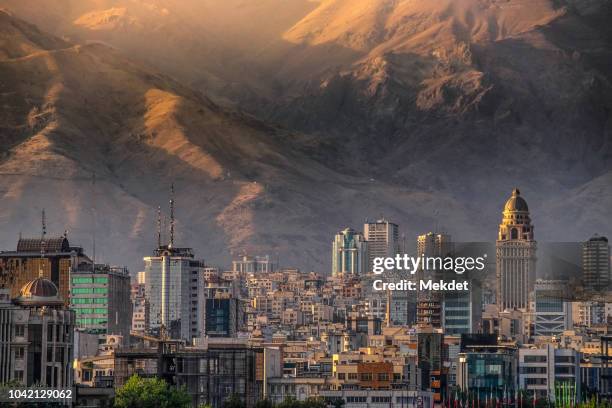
(265, 403)
(140, 392)
(234, 401)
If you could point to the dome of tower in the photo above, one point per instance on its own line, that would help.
(39, 292)
(516, 202)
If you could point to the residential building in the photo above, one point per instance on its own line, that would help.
(254, 264)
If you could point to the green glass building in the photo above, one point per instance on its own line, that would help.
(100, 297)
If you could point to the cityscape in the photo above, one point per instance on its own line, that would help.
(257, 331)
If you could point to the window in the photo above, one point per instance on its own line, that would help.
(81, 281)
(18, 376)
(535, 359)
(80, 291)
(341, 376)
(383, 377)
(366, 376)
(100, 290)
(352, 376)
(103, 280)
(19, 330)
(533, 370)
(381, 399)
(19, 352)
(535, 381)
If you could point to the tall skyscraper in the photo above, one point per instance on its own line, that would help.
(349, 253)
(596, 263)
(429, 304)
(515, 255)
(383, 240)
(173, 288)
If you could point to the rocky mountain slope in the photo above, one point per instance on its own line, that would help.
(89, 135)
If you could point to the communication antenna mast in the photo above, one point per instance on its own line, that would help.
(94, 218)
(159, 227)
(171, 216)
(43, 244)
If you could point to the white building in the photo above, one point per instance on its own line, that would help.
(383, 240)
(174, 288)
(546, 370)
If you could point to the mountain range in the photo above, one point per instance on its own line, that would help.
(280, 123)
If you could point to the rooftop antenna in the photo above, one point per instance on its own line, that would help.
(159, 227)
(42, 242)
(171, 216)
(94, 216)
(436, 213)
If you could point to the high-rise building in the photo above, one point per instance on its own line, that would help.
(515, 255)
(349, 253)
(429, 303)
(54, 256)
(596, 263)
(100, 297)
(37, 336)
(383, 240)
(552, 311)
(174, 290)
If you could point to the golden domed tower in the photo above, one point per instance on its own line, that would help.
(516, 255)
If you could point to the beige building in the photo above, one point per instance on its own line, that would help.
(515, 255)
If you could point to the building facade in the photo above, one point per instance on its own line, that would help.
(55, 257)
(254, 264)
(552, 311)
(547, 369)
(100, 297)
(174, 291)
(429, 303)
(596, 264)
(36, 336)
(349, 253)
(383, 240)
(515, 255)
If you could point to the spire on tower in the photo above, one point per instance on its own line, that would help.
(159, 227)
(171, 216)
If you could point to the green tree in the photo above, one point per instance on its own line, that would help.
(140, 392)
(234, 401)
(338, 403)
(265, 403)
